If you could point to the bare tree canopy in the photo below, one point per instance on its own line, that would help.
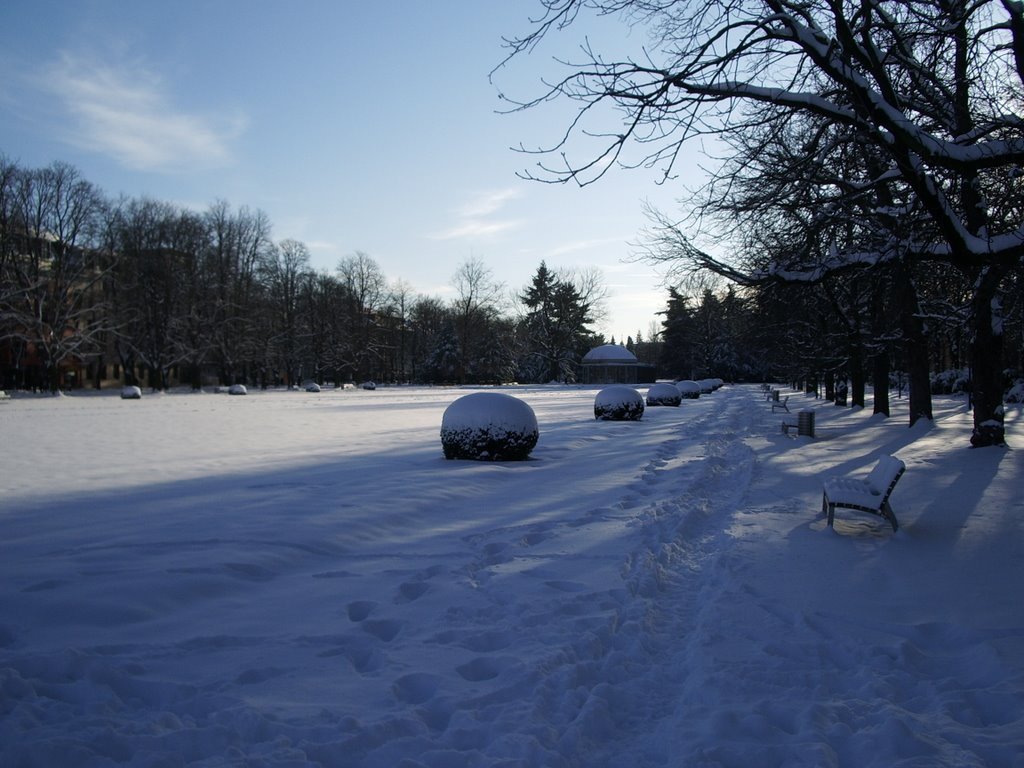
(859, 134)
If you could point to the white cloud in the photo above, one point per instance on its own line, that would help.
(488, 203)
(474, 217)
(585, 245)
(474, 229)
(125, 113)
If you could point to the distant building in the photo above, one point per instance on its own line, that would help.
(614, 364)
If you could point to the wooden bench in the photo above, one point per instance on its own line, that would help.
(782, 403)
(869, 494)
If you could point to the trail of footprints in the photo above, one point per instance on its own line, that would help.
(500, 668)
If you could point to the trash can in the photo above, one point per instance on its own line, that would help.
(805, 423)
(775, 395)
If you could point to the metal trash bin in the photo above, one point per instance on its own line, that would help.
(805, 423)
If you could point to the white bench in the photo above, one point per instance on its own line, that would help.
(869, 494)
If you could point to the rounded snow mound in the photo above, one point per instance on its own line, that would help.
(488, 426)
(663, 394)
(311, 386)
(131, 393)
(618, 403)
(688, 389)
(237, 389)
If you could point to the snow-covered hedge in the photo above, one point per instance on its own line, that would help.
(663, 394)
(237, 389)
(1015, 394)
(312, 386)
(618, 403)
(689, 390)
(950, 382)
(131, 393)
(488, 426)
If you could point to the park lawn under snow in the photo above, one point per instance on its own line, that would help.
(296, 579)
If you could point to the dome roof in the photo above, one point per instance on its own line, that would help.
(610, 354)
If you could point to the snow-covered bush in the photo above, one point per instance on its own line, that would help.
(949, 382)
(237, 389)
(131, 393)
(312, 386)
(488, 426)
(689, 390)
(618, 403)
(663, 394)
(707, 386)
(1015, 394)
(368, 385)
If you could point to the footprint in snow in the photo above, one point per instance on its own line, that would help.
(410, 591)
(415, 688)
(384, 630)
(360, 609)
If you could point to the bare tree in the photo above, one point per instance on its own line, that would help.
(366, 290)
(476, 303)
(284, 271)
(53, 300)
(933, 87)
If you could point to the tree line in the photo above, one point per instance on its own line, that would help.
(154, 294)
(161, 294)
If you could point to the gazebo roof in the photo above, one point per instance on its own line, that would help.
(610, 354)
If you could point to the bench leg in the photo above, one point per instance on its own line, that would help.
(831, 514)
(889, 515)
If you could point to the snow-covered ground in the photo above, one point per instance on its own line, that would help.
(300, 579)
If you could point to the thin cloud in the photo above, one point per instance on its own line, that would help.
(126, 114)
(584, 245)
(472, 229)
(474, 217)
(488, 203)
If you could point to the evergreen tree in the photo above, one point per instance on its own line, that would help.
(555, 325)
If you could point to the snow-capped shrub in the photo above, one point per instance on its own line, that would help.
(707, 386)
(237, 389)
(131, 393)
(312, 386)
(1015, 394)
(949, 382)
(488, 426)
(618, 403)
(368, 385)
(688, 389)
(663, 394)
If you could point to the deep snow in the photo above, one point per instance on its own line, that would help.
(298, 579)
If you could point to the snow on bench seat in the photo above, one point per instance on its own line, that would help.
(870, 494)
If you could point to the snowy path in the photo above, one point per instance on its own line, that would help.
(287, 580)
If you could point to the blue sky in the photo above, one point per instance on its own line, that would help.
(356, 126)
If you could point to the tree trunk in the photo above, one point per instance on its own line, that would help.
(880, 359)
(915, 347)
(857, 379)
(880, 381)
(986, 362)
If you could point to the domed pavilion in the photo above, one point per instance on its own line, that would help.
(614, 364)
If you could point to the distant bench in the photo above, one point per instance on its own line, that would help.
(870, 494)
(4, 397)
(782, 403)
